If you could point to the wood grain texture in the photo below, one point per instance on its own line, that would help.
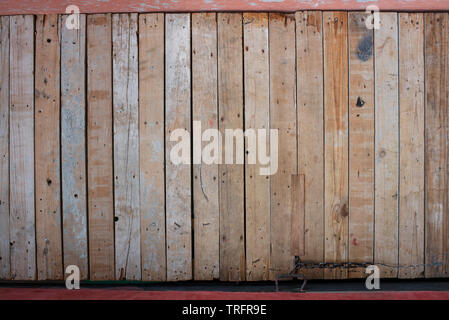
(437, 145)
(99, 6)
(257, 116)
(336, 140)
(386, 144)
(22, 215)
(297, 215)
(99, 147)
(178, 176)
(205, 181)
(5, 261)
(282, 118)
(126, 146)
(151, 137)
(73, 146)
(309, 54)
(361, 143)
(47, 149)
(411, 166)
(231, 176)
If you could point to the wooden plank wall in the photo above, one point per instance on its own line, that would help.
(91, 117)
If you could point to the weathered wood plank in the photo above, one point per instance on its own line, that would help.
(73, 145)
(386, 144)
(178, 176)
(205, 182)
(336, 140)
(411, 166)
(99, 147)
(437, 145)
(5, 261)
(361, 142)
(22, 216)
(126, 146)
(297, 215)
(257, 116)
(151, 136)
(231, 176)
(283, 118)
(47, 149)
(309, 53)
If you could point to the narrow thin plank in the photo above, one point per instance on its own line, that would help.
(178, 176)
(151, 136)
(5, 261)
(47, 149)
(386, 144)
(231, 176)
(22, 216)
(73, 146)
(205, 111)
(126, 147)
(99, 147)
(411, 119)
(437, 145)
(336, 140)
(282, 118)
(309, 53)
(297, 215)
(361, 143)
(257, 116)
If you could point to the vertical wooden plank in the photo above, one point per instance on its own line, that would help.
(99, 147)
(47, 149)
(73, 145)
(437, 145)
(151, 136)
(309, 53)
(386, 144)
(22, 218)
(257, 116)
(178, 176)
(5, 262)
(205, 182)
(126, 147)
(361, 142)
(336, 140)
(411, 144)
(282, 118)
(297, 215)
(230, 102)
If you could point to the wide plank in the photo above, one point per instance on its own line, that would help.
(178, 176)
(205, 113)
(361, 142)
(386, 145)
(257, 116)
(283, 118)
(151, 140)
(437, 145)
(411, 142)
(126, 146)
(47, 149)
(336, 158)
(21, 139)
(231, 175)
(73, 145)
(309, 55)
(100, 148)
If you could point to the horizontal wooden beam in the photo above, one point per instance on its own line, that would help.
(12, 7)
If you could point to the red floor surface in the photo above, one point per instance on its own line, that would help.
(115, 294)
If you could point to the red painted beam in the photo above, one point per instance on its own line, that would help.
(11, 7)
(135, 294)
